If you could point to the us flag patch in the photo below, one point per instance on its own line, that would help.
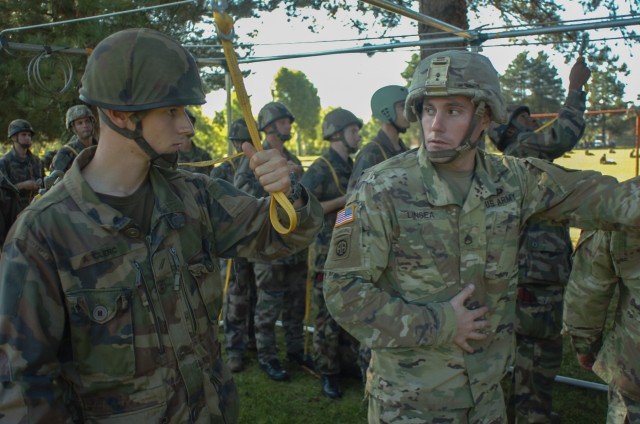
(345, 216)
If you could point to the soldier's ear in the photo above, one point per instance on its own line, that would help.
(119, 118)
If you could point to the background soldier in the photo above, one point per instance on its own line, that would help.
(606, 269)
(544, 258)
(327, 178)
(190, 152)
(81, 122)
(423, 260)
(8, 207)
(19, 165)
(280, 283)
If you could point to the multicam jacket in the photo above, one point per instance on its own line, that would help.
(18, 170)
(100, 323)
(377, 150)
(403, 248)
(545, 248)
(197, 154)
(605, 261)
(67, 153)
(320, 179)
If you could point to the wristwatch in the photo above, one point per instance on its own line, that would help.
(296, 188)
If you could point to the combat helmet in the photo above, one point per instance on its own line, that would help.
(384, 100)
(76, 112)
(271, 112)
(457, 73)
(19, 125)
(502, 135)
(136, 70)
(336, 121)
(239, 131)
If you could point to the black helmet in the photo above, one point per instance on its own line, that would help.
(19, 125)
(271, 112)
(337, 120)
(239, 131)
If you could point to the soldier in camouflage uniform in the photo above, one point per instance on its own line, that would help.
(109, 284)
(606, 268)
(327, 178)
(280, 283)
(81, 122)
(190, 152)
(387, 105)
(544, 258)
(8, 206)
(19, 165)
(423, 261)
(240, 301)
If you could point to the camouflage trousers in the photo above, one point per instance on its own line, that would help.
(240, 306)
(538, 352)
(622, 409)
(335, 350)
(491, 411)
(281, 289)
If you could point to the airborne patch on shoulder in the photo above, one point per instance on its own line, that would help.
(345, 216)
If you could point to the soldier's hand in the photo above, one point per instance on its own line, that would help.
(470, 324)
(28, 185)
(579, 75)
(295, 168)
(586, 361)
(269, 167)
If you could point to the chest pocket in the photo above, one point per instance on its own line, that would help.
(102, 333)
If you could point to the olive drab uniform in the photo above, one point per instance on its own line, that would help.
(17, 170)
(8, 206)
(196, 154)
(544, 267)
(606, 269)
(226, 170)
(147, 305)
(67, 153)
(402, 248)
(335, 350)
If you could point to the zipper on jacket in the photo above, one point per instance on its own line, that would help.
(142, 289)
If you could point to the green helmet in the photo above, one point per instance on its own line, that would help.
(337, 120)
(77, 112)
(140, 69)
(383, 102)
(239, 131)
(19, 125)
(271, 112)
(456, 73)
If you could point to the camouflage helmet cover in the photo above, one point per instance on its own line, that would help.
(456, 73)
(337, 120)
(19, 125)
(384, 100)
(271, 112)
(239, 130)
(141, 69)
(77, 112)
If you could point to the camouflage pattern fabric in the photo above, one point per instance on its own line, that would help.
(130, 330)
(197, 154)
(226, 170)
(544, 267)
(65, 156)
(8, 206)
(18, 170)
(333, 347)
(404, 249)
(239, 327)
(371, 154)
(607, 264)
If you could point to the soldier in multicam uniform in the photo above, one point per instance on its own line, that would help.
(240, 301)
(605, 269)
(280, 283)
(109, 284)
(81, 122)
(189, 152)
(387, 105)
(423, 260)
(327, 178)
(19, 165)
(544, 258)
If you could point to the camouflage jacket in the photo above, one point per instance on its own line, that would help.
(100, 323)
(605, 261)
(226, 170)
(404, 249)
(377, 150)
(18, 170)
(65, 156)
(246, 181)
(319, 180)
(197, 154)
(545, 248)
(8, 206)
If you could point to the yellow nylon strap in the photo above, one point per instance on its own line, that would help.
(224, 24)
(546, 125)
(226, 288)
(210, 162)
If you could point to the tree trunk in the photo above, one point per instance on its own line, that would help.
(453, 12)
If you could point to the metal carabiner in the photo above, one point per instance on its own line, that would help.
(219, 6)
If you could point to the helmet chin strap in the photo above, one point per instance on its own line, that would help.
(467, 144)
(398, 128)
(350, 150)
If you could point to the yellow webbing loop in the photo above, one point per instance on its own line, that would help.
(226, 288)
(210, 162)
(546, 125)
(224, 24)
